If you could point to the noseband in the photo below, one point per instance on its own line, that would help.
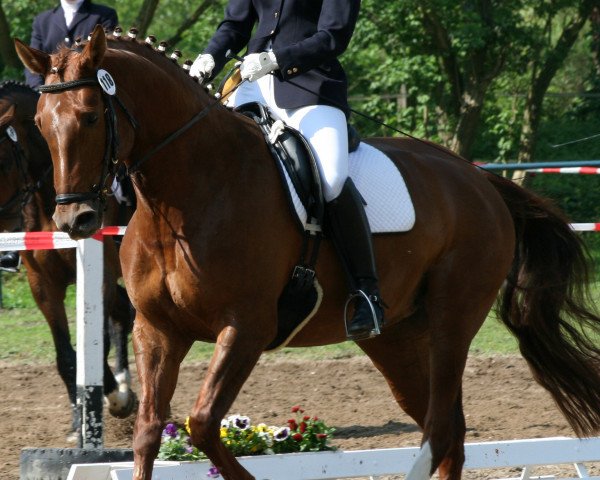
(98, 191)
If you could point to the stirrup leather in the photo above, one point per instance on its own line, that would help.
(376, 330)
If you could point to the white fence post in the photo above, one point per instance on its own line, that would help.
(90, 341)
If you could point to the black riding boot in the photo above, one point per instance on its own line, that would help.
(351, 234)
(10, 261)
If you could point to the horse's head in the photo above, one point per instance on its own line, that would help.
(10, 170)
(71, 115)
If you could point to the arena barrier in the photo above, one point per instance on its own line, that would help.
(523, 454)
(550, 167)
(322, 465)
(89, 318)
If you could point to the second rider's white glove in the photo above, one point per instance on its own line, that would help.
(257, 65)
(202, 66)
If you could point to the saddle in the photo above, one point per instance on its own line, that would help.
(302, 296)
(290, 147)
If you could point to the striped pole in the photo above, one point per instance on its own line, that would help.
(90, 320)
(532, 165)
(90, 342)
(576, 170)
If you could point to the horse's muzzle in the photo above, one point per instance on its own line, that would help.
(79, 220)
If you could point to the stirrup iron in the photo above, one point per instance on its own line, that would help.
(376, 330)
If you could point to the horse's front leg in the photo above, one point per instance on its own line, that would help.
(158, 355)
(235, 355)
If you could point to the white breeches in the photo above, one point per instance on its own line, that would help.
(323, 126)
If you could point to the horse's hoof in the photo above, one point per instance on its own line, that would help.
(122, 404)
(73, 437)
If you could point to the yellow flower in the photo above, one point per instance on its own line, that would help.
(223, 432)
(187, 426)
(262, 427)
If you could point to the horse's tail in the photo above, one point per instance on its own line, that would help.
(544, 301)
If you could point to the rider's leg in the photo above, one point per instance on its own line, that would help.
(325, 129)
(349, 228)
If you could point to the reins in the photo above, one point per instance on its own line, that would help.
(176, 134)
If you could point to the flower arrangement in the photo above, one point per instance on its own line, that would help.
(301, 434)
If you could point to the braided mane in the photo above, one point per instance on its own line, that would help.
(9, 87)
(145, 49)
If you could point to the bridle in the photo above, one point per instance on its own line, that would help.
(99, 192)
(22, 194)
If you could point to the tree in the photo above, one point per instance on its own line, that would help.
(558, 31)
(190, 21)
(8, 55)
(145, 16)
(461, 48)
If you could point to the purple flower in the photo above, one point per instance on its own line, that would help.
(189, 449)
(170, 430)
(240, 421)
(213, 472)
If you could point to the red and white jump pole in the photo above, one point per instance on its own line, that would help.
(89, 317)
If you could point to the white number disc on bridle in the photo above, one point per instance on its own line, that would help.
(106, 82)
(12, 134)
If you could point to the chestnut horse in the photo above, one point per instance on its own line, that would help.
(212, 245)
(26, 204)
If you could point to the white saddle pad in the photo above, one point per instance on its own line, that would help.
(389, 206)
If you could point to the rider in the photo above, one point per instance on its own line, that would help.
(299, 42)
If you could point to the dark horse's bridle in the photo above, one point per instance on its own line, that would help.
(22, 194)
(99, 192)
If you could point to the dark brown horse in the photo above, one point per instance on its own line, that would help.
(212, 244)
(26, 204)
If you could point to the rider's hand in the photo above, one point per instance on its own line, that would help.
(202, 66)
(257, 65)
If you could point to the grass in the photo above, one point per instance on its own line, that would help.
(26, 337)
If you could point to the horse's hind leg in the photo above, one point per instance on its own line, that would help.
(49, 297)
(401, 354)
(423, 359)
(456, 306)
(158, 357)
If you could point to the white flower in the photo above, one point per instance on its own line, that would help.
(238, 421)
(224, 423)
(280, 434)
(242, 422)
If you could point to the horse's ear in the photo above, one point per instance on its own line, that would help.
(93, 53)
(7, 116)
(36, 61)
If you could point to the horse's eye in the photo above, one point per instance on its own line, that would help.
(91, 118)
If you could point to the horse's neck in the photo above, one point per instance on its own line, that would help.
(163, 99)
(201, 148)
